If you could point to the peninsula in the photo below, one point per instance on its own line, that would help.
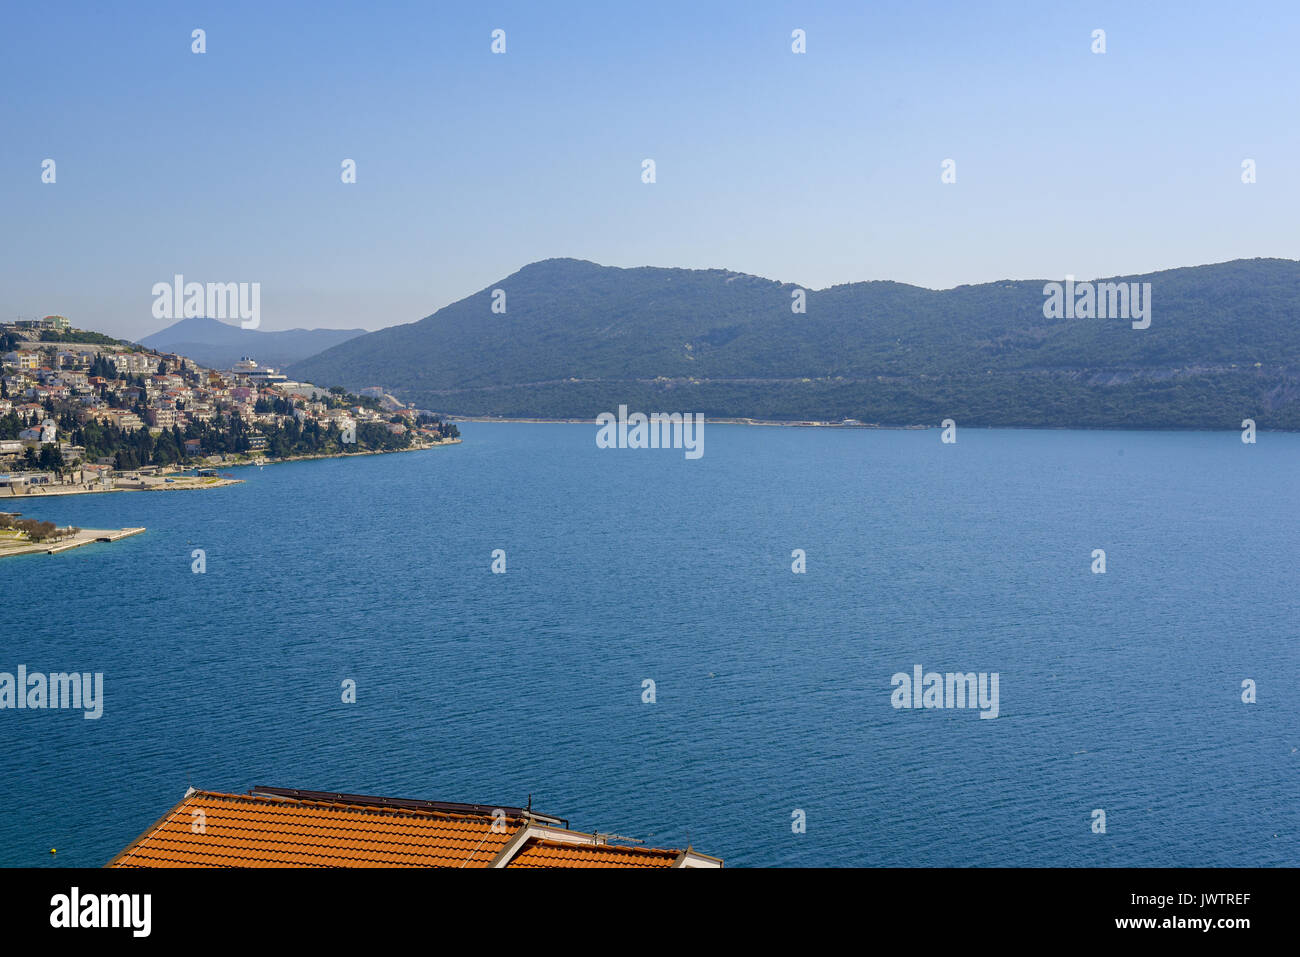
(82, 413)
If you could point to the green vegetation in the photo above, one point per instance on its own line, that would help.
(34, 530)
(579, 339)
(228, 435)
(81, 335)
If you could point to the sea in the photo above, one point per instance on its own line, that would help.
(646, 659)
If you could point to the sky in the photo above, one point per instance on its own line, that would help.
(817, 168)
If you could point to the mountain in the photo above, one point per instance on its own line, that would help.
(219, 345)
(578, 339)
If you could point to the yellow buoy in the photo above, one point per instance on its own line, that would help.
(53, 851)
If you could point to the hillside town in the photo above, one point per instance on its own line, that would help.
(81, 412)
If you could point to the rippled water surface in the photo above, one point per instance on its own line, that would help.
(1119, 691)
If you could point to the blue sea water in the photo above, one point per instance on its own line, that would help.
(1118, 691)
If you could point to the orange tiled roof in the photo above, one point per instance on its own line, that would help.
(209, 829)
(540, 853)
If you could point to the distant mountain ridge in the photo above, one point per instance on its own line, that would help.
(219, 345)
(578, 338)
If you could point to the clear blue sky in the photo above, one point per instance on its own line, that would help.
(816, 169)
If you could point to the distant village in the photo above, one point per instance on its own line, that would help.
(80, 411)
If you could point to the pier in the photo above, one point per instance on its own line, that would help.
(87, 536)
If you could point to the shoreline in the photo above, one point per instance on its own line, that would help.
(786, 423)
(871, 426)
(59, 491)
(340, 455)
(190, 483)
(87, 536)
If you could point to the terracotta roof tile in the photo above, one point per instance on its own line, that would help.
(541, 853)
(209, 829)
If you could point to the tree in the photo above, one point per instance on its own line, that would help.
(35, 531)
(51, 459)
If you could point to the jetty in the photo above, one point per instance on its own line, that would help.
(86, 536)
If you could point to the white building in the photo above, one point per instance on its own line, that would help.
(45, 433)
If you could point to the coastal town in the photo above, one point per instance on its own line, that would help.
(81, 413)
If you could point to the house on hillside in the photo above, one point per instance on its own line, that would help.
(42, 434)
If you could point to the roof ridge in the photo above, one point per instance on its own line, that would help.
(604, 846)
(275, 801)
